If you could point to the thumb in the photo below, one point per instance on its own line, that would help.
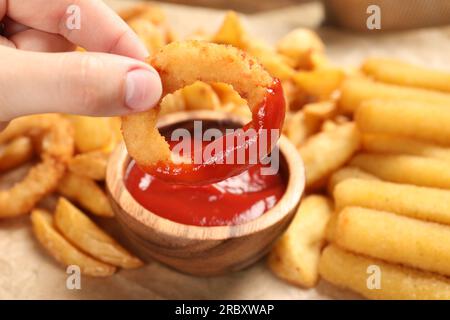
(95, 84)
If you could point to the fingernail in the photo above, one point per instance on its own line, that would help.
(142, 89)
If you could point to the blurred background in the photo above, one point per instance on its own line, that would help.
(350, 14)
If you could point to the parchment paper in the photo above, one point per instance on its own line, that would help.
(27, 272)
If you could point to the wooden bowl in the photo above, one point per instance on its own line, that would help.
(204, 250)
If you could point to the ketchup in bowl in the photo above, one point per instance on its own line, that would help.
(232, 201)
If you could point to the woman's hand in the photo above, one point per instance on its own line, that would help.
(35, 79)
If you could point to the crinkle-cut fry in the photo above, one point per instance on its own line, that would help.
(295, 257)
(381, 143)
(15, 153)
(412, 119)
(355, 90)
(64, 252)
(350, 271)
(55, 147)
(299, 45)
(87, 193)
(423, 203)
(327, 151)
(406, 74)
(299, 128)
(394, 238)
(427, 172)
(231, 32)
(83, 233)
(91, 164)
(200, 96)
(91, 133)
(321, 83)
(347, 173)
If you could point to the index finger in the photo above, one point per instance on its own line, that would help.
(90, 24)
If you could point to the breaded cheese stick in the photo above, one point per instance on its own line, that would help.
(394, 238)
(429, 204)
(354, 272)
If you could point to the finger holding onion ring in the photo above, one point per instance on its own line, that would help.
(182, 63)
(55, 147)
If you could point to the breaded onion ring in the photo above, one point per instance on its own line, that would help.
(54, 142)
(180, 64)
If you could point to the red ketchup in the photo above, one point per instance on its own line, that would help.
(235, 200)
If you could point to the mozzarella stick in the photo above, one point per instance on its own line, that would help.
(412, 119)
(394, 238)
(427, 172)
(356, 90)
(347, 173)
(417, 202)
(393, 144)
(358, 273)
(405, 74)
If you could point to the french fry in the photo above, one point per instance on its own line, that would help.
(64, 252)
(327, 151)
(299, 45)
(91, 164)
(320, 83)
(86, 193)
(405, 118)
(200, 96)
(91, 133)
(82, 232)
(351, 271)
(15, 153)
(323, 110)
(347, 173)
(295, 256)
(399, 72)
(298, 128)
(231, 31)
(393, 144)
(356, 90)
(427, 172)
(394, 238)
(417, 202)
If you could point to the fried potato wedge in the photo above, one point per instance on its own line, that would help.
(295, 257)
(299, 45)
(64, 252)
(90, 165)
(411, 119)
(91, 133)
(87, 193)
(351, 271)
(150, 34)
(394, 238)
(381, 143)
(83, 233)
(401, 73)
(423, 203)
(299, 128)
(321, 83)
(15, 153)
(200, 96)
(231, 32)
(427, 172)
(172, 103)
(327, 151)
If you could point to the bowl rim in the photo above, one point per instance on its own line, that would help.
(295, 187)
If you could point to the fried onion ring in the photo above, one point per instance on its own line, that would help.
(54, 142)
(183, 63)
